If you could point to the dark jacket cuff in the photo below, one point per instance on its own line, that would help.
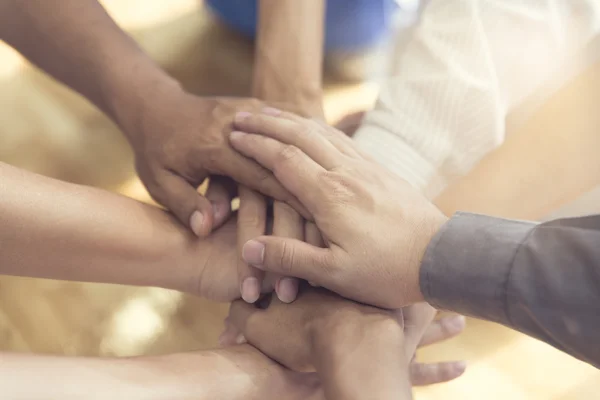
(467, 265)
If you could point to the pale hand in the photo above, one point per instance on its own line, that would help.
(375, 225)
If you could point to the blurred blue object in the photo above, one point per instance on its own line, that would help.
(351, 25)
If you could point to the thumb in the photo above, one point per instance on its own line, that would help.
(183, 200)
(247, 319)
(290, 257)
(430, 374)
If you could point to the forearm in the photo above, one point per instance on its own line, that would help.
(33, 377)
(52, 229)
(212, 374)
(289, 53)
(79, 44)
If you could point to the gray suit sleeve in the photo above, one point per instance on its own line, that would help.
(540, 279)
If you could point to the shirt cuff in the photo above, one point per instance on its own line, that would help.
(468, 263)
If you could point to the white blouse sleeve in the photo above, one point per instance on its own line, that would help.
(468, 63)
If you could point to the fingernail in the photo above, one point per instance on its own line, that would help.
(455, 323)
(241, 116)
(196, 221)
(218, 211)
(460, 367)
(221, 340)
(250, 290)
(253, 253)
(287, 290)
(235, 135)
(240, 339)
(271, 111)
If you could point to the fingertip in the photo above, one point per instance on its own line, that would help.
(250, 290)
(241, 116)
(236, 136)
(221, 211)
(197, 223)
(271, 111)
(287, 289)
(253, 253)
(460, 367)
(454, 324)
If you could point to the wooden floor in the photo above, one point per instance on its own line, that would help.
(47, 129)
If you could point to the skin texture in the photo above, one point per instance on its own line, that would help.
(178, 139)
(414, 317)
(239, 372)
(352, 199)
(58, 230)
(342, 340)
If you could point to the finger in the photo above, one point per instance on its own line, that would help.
(252, 219)
(335, 136)
(290, 257)
(312, 235)
(430, 374)
(443, 329)
(221, 190)
(183, 200)
(302, 133)
(230, 336)
(249, 321)
(293, 168)
(339, 140)
(261, 179)
(287, 223)
(350, 123)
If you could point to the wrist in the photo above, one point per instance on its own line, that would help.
(232, 373)
(364, 361)
(131, 90)
(430, 231)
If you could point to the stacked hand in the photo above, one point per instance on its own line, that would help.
(182, 140)
(375, 225)
(321, 331)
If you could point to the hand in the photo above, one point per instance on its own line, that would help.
(317, 319)
(415, 318)
(377, 227)
(342, 340)
(213, 264)
(418, 317)
(180, 140)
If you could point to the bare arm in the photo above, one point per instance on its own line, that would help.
(234, 373)
(287, 70)
(289, 54)
(53, 229)
(79, 44)
(178, 138)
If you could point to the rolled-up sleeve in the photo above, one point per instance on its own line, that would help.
(541, 279)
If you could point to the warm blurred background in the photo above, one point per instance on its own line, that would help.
(47, 129)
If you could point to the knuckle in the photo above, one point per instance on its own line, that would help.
(286, 256)
(261, 176)
(250, 218)
(284, 157)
